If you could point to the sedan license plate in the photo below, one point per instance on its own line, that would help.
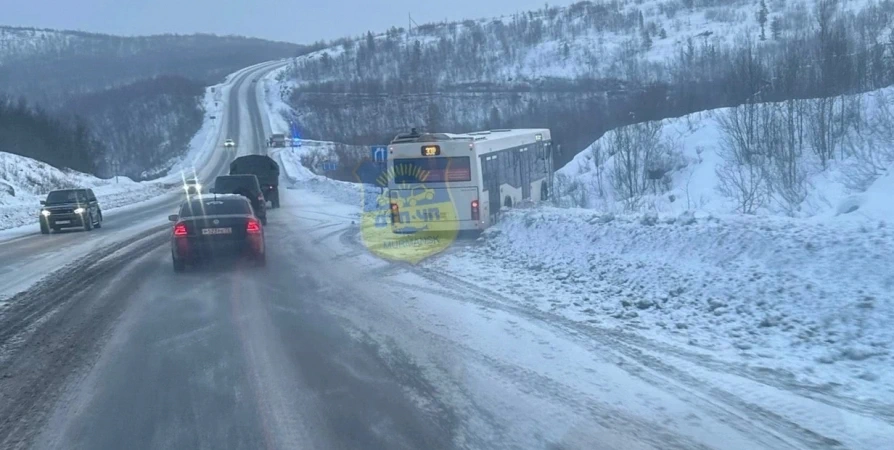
(217, 231)
(63, 222)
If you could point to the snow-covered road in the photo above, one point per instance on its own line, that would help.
(30, 256)
(494, 344)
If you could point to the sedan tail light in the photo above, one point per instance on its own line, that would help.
(180, 229)
(253, 226)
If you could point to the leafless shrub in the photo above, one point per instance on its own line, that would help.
(872, 148)
(784, 132)
(634, 148)
(313, 158)
(742, 175)
(569, 192)
(599, 158)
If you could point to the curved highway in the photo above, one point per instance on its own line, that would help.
(329, 347)
(30, 257)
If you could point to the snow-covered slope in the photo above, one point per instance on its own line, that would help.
(692, 149)
(24, 182)
(589, 39)
(809, 301)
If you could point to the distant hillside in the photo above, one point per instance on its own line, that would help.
(142, 124)
(591, 67)
(50, 66)
(34, 133)
(138, 96)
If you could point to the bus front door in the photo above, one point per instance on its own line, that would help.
(493, 200)
(524, 166)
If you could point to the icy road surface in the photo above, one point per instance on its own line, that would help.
(331, 348)
(328, 347)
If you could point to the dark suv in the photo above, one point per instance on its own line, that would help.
(69, 208)
(247, 186)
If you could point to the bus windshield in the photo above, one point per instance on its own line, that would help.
(432, 170)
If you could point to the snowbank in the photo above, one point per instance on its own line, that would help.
(276, 107)
(24, 182)
(811, 301)
(299, 177)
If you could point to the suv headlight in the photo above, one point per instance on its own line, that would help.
(80, 211)
(44, 213)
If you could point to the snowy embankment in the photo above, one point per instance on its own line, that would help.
(24, 182)
(810, 300)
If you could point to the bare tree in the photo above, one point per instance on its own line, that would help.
(569, 192)
(599, 158)
(742, 175)
(634, 148)
(784, 140)
(872, 148)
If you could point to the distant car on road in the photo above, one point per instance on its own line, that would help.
(214, 227)
(192, 186)
(276, 140)
(70, 208)
(247, 186)
(229, 143)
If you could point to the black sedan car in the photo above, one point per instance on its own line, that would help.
(70, 208)
(213, 227)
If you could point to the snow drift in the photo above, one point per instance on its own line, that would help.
(811, 300)
(25, 181)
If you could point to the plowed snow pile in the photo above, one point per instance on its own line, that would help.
(810, 301)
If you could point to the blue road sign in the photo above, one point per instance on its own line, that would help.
(379, 153)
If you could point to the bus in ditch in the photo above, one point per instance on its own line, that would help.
(460, 182)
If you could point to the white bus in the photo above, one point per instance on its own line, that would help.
(458, 182)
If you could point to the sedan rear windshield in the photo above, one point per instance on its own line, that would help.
(214, 208)
(57, 197)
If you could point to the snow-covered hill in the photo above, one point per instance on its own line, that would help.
(590, 67)
(697, 167)
(49, 67)
(621, 40)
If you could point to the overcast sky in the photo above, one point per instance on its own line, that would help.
(285, 20)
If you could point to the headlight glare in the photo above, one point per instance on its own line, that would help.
(44, 213)
(80, 211)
